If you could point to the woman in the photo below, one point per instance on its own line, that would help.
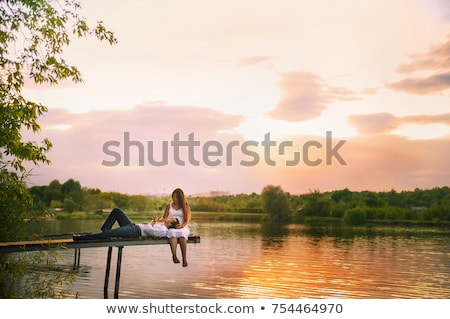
(128, 229)
(178, 208)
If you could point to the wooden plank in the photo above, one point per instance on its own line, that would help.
(35, 245)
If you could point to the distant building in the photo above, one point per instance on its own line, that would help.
(211, 194)
(157, 195)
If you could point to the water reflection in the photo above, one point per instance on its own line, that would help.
(324, 262)
(245, 260)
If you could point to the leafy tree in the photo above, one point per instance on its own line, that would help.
(253, 202)
(119, 200)
(138, 203)
(392, 198)
(372, 199)
(92, 202)
(158, 205)
(33, 36)
(53, 192)
(71, 189)
(344, 195)
(318, 204)
(70, 205)
(275, 202)
(14, 203)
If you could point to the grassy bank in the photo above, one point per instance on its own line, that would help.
(412, 223)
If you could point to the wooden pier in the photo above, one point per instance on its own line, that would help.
(61, 241)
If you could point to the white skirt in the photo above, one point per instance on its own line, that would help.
(182, 232)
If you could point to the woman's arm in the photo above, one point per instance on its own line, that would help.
(187, 217)
(166, 213)
(188, 214)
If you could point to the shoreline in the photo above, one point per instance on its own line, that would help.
(261, 218)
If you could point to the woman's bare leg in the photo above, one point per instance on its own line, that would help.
(173, 247)
(183, 246)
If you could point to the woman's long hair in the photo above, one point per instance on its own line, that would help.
(182, 199)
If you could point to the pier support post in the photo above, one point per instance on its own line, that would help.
(108, 268)
(76, 261)
(119, 265)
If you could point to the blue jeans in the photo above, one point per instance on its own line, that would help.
(127, 229)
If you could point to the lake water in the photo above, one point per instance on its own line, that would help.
(243, 260)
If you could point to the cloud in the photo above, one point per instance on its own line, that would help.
(374, 162)
(436, 61)
(381, 161)
(369, 91)
(437, 58)
(377, 123)
(78, 139)
(253, 60)
(306, 96)
(374, 123)
(421, 86)
(427, 119)
(154, 117)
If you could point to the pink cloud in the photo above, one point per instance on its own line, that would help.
(78, 150)
(148, 117)
(374, 123)
(387, 161)
(437, 58)
(427, 119)
(437, 61)
(306, 96)
(384, 122)
(369, 91)
(254, 60)
(374, 162)
(428, 85)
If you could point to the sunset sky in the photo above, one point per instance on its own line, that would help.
(375, 74)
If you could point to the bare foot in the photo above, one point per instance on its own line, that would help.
(175, 259)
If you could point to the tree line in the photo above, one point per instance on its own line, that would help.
(419, 204)
(71, 196)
